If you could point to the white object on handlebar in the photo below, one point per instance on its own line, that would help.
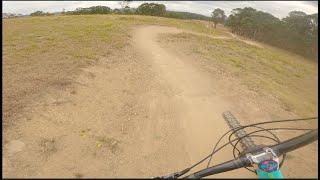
(267, 154)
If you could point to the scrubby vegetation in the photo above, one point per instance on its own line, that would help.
(298, 32)
(40, 13)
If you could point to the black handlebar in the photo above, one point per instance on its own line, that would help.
(243, 161)
(227, 166)
(295, 143)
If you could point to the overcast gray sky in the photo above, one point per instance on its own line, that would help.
(279, 9)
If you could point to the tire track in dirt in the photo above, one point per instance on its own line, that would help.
(200, 98)
(193, 97)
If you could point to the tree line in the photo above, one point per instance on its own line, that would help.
(151, 9)
(185, 15)
(40, 13)
(298, 32)
(91, 10)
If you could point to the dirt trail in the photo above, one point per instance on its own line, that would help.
(233, 36)
(207, 35)
(141, 113)
(195, 96)
(250, 42)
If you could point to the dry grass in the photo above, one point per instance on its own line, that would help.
(43, 53)
(269, 71)
(192, 25)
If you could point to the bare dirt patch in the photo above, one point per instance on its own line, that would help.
(91, 126)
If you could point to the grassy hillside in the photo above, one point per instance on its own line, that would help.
(40, 53)
(46, 52)
(269, 71)
(58, 111)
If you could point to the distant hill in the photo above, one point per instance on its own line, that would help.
(185, 15)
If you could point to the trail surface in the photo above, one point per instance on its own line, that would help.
(143, 112)
(194, 99)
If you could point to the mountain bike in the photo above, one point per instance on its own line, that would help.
(264, 159)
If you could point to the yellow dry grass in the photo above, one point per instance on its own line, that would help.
(269, 71)
(41, 53)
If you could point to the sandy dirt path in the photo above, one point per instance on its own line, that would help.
(194, 97)
(143, 112)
